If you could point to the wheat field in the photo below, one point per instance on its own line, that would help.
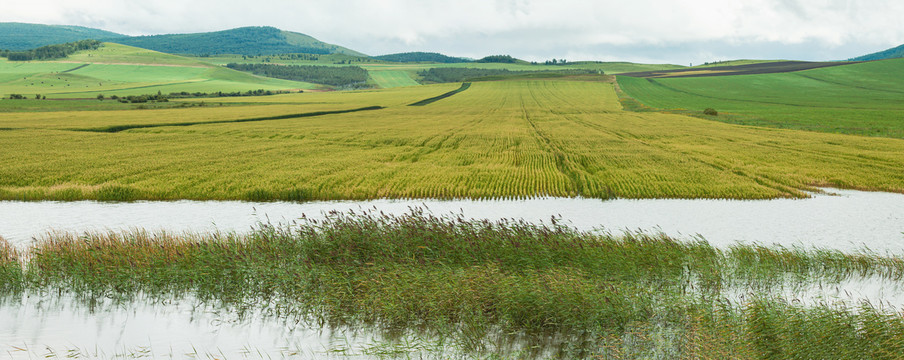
(504, 139)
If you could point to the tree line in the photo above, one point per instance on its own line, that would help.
(504, 59)
(49, 52)
(443, 75)
(421, 57)
(343, 76)
(161, 97)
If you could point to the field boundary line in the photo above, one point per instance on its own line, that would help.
(118, 128)
(464, 86)
(82, 66)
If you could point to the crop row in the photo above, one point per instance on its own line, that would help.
(496, 140)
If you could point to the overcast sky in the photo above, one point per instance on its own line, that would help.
(659, 31)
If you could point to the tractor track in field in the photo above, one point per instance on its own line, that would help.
(760, 179)
(561, 156)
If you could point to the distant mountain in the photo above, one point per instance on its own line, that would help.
(421, 57)
(20, 36)
(263, 40)
(893, 53)
(242, 41)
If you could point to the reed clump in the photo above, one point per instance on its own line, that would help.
(617, 296)
(11, 273)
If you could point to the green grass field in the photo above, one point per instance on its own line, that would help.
(392, 78)
(565, 137)
(122, 70)
(862, 99)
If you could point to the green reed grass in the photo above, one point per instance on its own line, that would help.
(616, 296)
(11, 274)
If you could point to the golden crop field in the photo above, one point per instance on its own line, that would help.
(564, 137)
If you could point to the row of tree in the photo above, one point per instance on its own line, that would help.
(421, 57)
(442, 75)
(161, 97)
(553, 62)
(49, 52)
(343, 76)
(23, 97)
(505, 59)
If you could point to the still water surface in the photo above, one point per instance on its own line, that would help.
(847, 220)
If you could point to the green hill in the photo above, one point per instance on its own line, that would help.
(421, 57)
(893, 53)
(115, 69)
(864, 98)
(20, 36)
(244, 41)
(501, 59)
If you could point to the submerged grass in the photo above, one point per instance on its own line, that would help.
(11, 275)
(593, 294)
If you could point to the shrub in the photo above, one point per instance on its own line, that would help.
(710, 112)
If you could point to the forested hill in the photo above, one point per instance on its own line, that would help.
(243, 41)
(421, 57)
(20, 36)
(893, 53)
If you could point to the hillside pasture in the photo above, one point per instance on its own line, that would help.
(862, 99)
(741, 68)
(121, 70)
(392, 78)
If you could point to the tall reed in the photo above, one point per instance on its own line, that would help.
(11, 273)
(633, 295)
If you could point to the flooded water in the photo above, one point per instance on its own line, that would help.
(53, 325)
(36, 325)
(847, 220)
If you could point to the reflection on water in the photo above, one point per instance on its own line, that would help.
(879, 292)
(59, 324)
(849, 220)
(37, 324)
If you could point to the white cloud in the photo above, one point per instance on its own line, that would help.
(518, 27)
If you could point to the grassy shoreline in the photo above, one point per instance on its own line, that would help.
(597, 294)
